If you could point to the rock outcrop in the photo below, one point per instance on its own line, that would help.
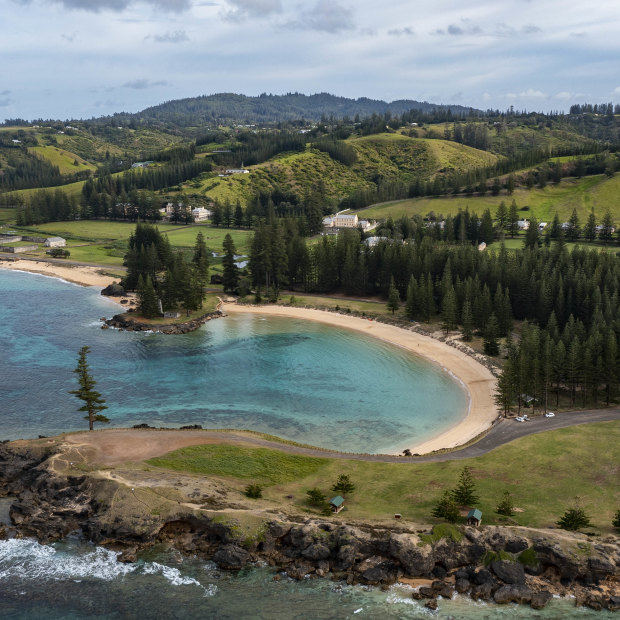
(49, 504)
(128, 323)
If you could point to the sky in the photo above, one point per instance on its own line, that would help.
(81, 58)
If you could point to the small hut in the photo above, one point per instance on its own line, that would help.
(474, 517)
(337, 503)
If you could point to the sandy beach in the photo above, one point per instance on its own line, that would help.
(477, 379)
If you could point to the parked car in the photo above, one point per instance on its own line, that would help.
(525, 417)
(519, 419)
(549, 414)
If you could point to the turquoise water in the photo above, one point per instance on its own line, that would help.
(300, 380)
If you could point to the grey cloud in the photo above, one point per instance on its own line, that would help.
(96, 6)
(4, 92)
(530, 29)
(399, 32)
(242, 9)
(466, 27)
(178, 36)
(5, 102)
(325, 16)
(68, 37)
(142, 84)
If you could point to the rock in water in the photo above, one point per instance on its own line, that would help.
(113, 290)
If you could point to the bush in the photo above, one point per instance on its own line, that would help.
(616, 520)
(574, 519)
(343, 485)
(254, 491)
(316, 497)
(446, 508)
(506, 506)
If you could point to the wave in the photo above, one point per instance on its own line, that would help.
(30, 561)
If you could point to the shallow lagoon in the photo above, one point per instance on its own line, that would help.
(303, 381)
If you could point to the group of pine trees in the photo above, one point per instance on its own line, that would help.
(160, 275)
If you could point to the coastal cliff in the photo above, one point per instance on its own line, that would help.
(497, 564)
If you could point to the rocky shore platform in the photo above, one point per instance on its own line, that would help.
(57, 490)
(128, 323)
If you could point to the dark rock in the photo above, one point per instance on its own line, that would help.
(462, 573)
(483, 576)
(600, 568)
(540, 599)
(424, 592)
(142, 426)
(432, 604)
(613, 604)
(346, 557)
(124, 301)
(509, 572)
(316, 551)
(385, 572)
(516, 545)
(299, 571)
(442, 589)
(192, 427)
(439, 571)
(512, 593)
(416, 561)
(114, 290)
(462, 585)
(594, 601)
(128, 555)
(231, 557)
(277, 529)
(482, 592)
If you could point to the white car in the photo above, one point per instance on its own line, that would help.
(519, 419)
(549, 414)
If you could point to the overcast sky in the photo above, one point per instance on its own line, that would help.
(82, 58)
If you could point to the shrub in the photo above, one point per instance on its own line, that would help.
(254, 491)
(446, 508)
(506, 506)
(616, 520)
(574, 519)
(343, 485)
(316, 497)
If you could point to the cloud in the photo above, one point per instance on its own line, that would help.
(96, 6)
(142, 84)
(399, 32)
(243, 9)
(325, 16)
(69, 37)
(616, 91)
(466, 27)
(178, 36)
(4, 92)
(563, 96)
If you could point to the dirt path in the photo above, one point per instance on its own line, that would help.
(115, 446)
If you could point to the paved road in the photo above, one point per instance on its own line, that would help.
(503, 432)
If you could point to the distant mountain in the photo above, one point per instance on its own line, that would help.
(229, 107)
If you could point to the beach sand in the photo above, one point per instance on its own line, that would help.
(477, 379)
(76, 274)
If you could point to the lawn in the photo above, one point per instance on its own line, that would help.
(598, 192)
(65, 160)
(544, 473)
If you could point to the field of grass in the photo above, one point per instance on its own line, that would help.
(598, 192)
(63, 159)
(543, 472)
(7, 216)
(71, 189)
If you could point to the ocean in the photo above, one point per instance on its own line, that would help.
(302, 381)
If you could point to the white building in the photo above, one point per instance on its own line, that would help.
(344, 221)
(55, 242)
(523, 224)
(542, 226)
(200, 214)
(237, 171)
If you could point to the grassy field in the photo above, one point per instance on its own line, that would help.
(543, 472)
(597, 192)
(63, 159)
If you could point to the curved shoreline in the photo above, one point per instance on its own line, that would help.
(476, 379)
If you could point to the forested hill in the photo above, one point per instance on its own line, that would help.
(229, 107)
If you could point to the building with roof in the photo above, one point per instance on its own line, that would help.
(337, 503)
(55, 242)
(474, 517)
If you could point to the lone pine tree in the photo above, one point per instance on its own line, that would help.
(93, 403)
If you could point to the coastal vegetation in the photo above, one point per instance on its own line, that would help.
(94, 404)
(543, 473)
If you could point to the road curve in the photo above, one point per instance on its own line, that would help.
(111, 446)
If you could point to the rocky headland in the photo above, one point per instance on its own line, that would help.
(55, 492)
(129, 323)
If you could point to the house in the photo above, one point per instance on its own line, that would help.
(200, 214)
(523, 224)
(55, 242)
(337, 503)
(371, 242)
(344, 221)
(474, 517)
(237, 171)
(172, 315)
(141, 164)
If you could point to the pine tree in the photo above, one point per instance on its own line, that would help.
(393, 302)
(589, 230)
(506, 505)
(574, 518)
(465, 492)
(574, 229)
(412, 298)
(147, 298)
(93, 403)
(467, 320)
(513, 218)
(501, 215)
(201, 259)
(449, 310)
(343, 485)
(231, 271)
(446, 508)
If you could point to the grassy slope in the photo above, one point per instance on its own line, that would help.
(387, 156)
(62, 158)
(544, 473)
(598, 192)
